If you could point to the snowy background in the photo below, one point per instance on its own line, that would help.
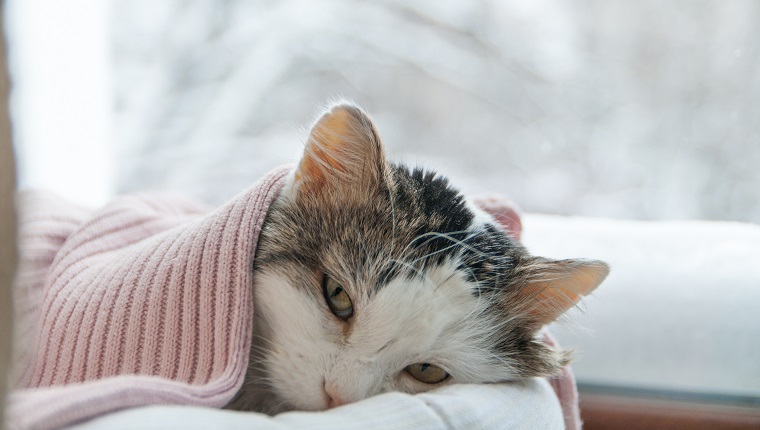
(644, 110)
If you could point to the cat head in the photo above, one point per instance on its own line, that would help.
(373, 277)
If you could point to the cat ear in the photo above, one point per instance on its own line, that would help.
(343, 152)
(551, 287)
(505, 212)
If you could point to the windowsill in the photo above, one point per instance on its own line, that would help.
(678, 311)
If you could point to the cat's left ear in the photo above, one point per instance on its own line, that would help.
(342, 154)
(548, 288)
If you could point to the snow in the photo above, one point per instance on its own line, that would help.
(678, 311)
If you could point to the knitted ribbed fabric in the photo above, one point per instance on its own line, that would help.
(145, 301)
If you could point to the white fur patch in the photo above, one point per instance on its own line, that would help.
(435, 319)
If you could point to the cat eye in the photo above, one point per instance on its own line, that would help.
(427, 373)
(337, 298)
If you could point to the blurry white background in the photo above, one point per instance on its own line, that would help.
(644, 110)
(62, 102)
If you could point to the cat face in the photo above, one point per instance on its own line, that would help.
(371, 277)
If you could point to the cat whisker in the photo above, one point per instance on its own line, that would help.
(464, 245)
(440, 284)
(434, 235)
(411, 267)
(392, 200)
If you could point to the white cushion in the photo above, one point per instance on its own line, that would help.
(530, 405)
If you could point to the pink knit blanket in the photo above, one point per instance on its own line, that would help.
(146, 301)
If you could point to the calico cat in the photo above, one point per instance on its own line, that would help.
(373, 277)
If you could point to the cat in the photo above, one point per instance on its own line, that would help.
(372, 277)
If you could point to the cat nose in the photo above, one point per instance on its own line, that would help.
(334, 399)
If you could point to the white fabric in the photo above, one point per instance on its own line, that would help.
(678, 311)
(529, 405)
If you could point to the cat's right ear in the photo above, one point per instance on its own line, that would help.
(342, 155)
(548, 288)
